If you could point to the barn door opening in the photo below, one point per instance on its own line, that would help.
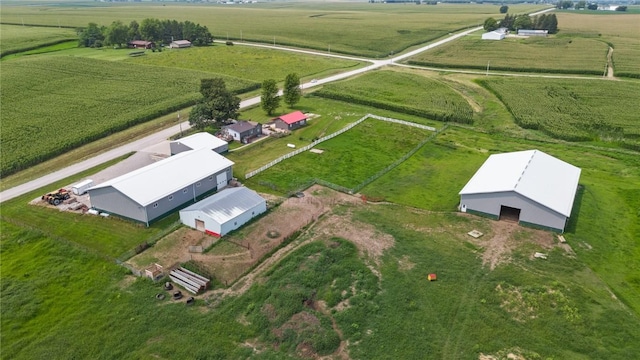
(199, 225)
(509, 214)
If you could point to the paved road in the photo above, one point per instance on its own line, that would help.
(164, 134)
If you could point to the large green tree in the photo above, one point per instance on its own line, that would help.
(269, 99)
(91, 36)
(217, 105)
(504, 9)
(291, 91)
(490, 24)
(117, 33)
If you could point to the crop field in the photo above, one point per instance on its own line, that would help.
(246, 62)
(620, 30)
(15, 38)
(347, 160)
(404, 93)
(572, 55)
(588, 110)
(326, 293)
(382, 29)
(82, 100)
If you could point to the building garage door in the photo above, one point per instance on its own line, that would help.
(222, 180)
(199, 225)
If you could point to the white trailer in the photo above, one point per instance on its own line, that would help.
(82, 187)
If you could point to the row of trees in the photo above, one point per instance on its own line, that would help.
(291, 93)
(158, 31)
(218, 104)
(547, 22)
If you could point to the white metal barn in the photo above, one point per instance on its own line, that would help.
(225, 211)
(158, 189)
(198, 141)
(493, 35)
(532, 187)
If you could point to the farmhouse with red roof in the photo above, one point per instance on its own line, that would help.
(290, 121)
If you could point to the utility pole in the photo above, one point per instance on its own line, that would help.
(488, 62)
(179, 123)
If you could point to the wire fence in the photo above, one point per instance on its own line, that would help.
(331, 136)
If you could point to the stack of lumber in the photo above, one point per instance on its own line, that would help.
(189, 280)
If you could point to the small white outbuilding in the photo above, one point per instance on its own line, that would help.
(198, 141)
(494, 35)
(225, 211)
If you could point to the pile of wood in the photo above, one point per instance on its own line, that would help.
(189, 280)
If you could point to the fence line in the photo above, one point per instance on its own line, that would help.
(331, 136)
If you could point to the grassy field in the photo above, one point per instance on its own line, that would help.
(404, 93)
(382, 29)
(83, 100)
(15, 38)
(619, 30)
(587, 110)
(246, 62)
(571, 55)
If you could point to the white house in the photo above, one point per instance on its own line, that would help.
(530, 187)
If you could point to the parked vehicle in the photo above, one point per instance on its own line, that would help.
(56, 198)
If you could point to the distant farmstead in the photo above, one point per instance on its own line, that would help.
(156, 190)
(178, 44)
(224, 212)
(141, 44)
(529, 187)
(290, 121)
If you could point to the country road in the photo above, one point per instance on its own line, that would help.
(166, 133)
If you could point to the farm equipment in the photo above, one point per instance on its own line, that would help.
(55, 198)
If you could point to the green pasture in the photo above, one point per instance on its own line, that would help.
(382, 29)
(402, 92)
(348, 159)
(617, 29)
(535, 54)
(82, 100)
(246, 62)
(574, 110)
(14, 38)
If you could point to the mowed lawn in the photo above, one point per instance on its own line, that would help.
(619, 29)
(16, 38)
(547, 55)
(246, 62)
(52, 104)
(372, 30)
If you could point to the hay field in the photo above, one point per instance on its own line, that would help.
(14, 38)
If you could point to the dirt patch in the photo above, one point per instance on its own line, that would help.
(405, 263)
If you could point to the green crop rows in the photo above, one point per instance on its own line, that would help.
(550, 55)
(52, 104)
(573, 110)
(21, 38)
(403, 93)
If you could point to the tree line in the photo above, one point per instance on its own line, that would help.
(581, 5)
(155, 30)
(547, 22)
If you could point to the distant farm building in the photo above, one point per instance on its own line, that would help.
(179, 44)
(290, 121)
(530, 187)
(495, 35)
(243, 131)
(141, 44)
(225, 211)
(156, 190)
(197, 141)
(525, 32)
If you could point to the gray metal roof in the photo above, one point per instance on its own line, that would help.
(227, 204)
(201, 140)
(540, 177)
(153, 182)
(241, 126)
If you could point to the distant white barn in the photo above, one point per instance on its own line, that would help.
(225, 211)
(494, 35)
(179, 44)
(198, 141)
(532, 187)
